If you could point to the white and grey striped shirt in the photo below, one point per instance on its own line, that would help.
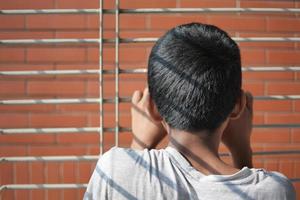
(165, 174)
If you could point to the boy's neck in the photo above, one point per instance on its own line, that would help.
(201, 150)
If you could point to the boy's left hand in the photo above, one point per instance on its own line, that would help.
(147, 130)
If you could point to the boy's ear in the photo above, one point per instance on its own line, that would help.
(239, 106)
(153, 111)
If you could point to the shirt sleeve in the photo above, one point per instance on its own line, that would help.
(98, 186)
(286, 188)
(277, 187)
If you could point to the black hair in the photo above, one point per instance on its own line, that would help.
(194, 76)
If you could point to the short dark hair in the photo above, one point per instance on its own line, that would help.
(194, 76)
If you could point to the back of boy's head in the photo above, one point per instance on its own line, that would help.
(194, 76)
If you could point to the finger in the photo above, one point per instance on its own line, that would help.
(146, 97)
(136, 97)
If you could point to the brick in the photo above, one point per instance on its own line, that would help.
(126, 87)
(70, 194)
(9, 150)
(262, 136)
(5, 35)
(134, 33)
(125, 120)
(108, 143)
(13, 120)
(283, 57)
(297, 76)
(93, 88)
(273, 106)
(109, 121)
(56, 150)
(132, 22)
(281, 147)
(85, 171)
(283, 88)
(56, 21)
(12, 88)
(76, 4)
(255, 87)
(258, 118)
(78, 138)
(95, 150)
(69, 172)
(252, 57)
(271, 165)
(258, 163)
(24, 66)
(57, 120)
(55, 194)
(283, 24)
(29, 139)
(77, 107)
(123, 107)
(138, 77)
(207, 3)
(94, 120)
(37, 174)
(281, 118)
(61, 88)
(287, 168)
(126, 138)
(82, 66)
(297, 169)
(22, 194)
(21, 173)
(28, 4)
(125, 55)
(7, 194)
(295, 136)
(12, 54)
(12, 22)
(78, 34)
(7, 177)
(266, 4)
(278, 76)
(297, 106)
(38, 194)
(53, 174)
(165, 22)
(148, 4)
(265, 45)
(126, 22)
(26, 108)
(61, 54)
(238, 23)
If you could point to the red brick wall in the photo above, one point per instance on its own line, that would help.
(58, 57)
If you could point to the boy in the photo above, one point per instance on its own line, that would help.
(194, 96)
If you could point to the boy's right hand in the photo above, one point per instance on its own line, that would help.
(237, 135)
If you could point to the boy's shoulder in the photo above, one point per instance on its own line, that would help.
(119, 154)
(129, 153)
(118, 158)
(274, 185)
